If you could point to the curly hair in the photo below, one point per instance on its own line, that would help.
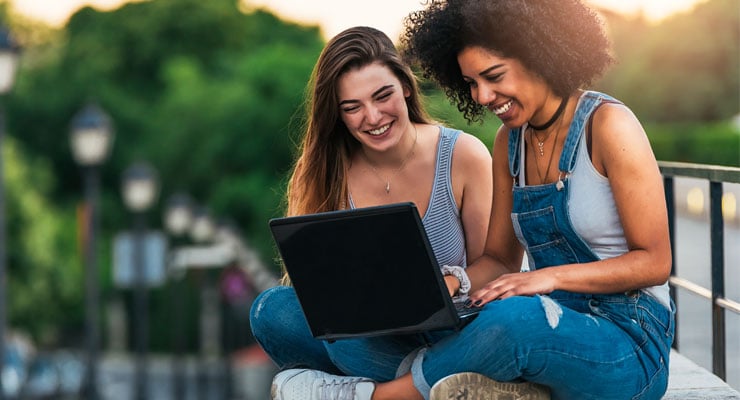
(562, 41)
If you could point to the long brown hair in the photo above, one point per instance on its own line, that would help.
(319, 179)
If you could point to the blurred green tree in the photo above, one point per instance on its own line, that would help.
(682, 69)
(44, 267)
(206, 93)
(199, 89)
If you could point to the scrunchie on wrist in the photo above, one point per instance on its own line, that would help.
(459, 273)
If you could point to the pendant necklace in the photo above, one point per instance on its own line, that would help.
(397, 170)
(552, 153)
(541, 142)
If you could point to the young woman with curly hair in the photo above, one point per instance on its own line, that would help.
(577, 191)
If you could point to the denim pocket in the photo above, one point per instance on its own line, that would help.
(543, 239)
(656, 384)
(538, 226)
(622, 311)
(657, 321)
(649, 325)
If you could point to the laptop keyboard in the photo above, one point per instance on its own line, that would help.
(462, 309)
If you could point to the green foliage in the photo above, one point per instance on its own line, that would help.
(716, 144)
(209, 95)
(440, 108)
(683, 69)
(44, 271)
(188, 84)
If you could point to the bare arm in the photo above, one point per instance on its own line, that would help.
(471, 178)
(502, 253)
(472, 166)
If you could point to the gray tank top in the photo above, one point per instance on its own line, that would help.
(442, 218)
(593, 210)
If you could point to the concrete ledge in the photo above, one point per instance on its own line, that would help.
(689, 381)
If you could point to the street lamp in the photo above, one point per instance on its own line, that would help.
(202, 231)
(178, 219)
(231, 284)
(203, 228)
(8, 66)
(91, 136)
(140, 189)
(178, 214)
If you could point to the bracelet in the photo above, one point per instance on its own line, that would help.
(459, 273)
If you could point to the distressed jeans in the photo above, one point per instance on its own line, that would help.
(582, 346)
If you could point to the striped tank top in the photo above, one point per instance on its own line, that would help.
(442, 221)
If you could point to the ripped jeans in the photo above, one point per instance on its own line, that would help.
(581, 346)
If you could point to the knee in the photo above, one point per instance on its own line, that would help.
(273, 308)
(511, 319)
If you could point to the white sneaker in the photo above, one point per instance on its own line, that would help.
(473, 386)
(308, 384)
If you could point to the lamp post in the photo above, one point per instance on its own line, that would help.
(231, 284)
(202, 231)
(203, 228)
(140, 189)
(178, 218)
(91, 136)
(8, 67)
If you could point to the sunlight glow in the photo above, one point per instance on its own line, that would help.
(336, 15)
(652, 9)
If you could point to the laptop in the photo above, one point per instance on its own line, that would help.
(366, 272)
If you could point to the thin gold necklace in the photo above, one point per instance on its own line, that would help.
(540, 142)
(555, 117)
(397, 170)
(552, 153)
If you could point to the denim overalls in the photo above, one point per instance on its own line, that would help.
(583, 346)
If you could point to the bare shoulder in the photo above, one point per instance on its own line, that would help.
(471, 150)
(470, 143)
(619, 140)
(501, 144)
(616, 122)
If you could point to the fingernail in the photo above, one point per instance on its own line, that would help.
(468, 302)
(477, 302)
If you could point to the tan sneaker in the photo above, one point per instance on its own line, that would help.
(473, 386)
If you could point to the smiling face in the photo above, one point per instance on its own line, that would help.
(372, 104)
(504, 86)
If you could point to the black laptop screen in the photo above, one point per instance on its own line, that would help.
(366, 272)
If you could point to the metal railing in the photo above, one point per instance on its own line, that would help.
(716, 175)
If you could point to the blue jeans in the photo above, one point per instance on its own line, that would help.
(281, 329)
(581, 346)
(279, 326)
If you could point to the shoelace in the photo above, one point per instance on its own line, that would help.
(339, 389)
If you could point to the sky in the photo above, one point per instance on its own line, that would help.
(335, 15)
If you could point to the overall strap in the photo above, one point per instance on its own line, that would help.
(514, 153)
(587, 104)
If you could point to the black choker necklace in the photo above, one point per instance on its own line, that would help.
(552, 120)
